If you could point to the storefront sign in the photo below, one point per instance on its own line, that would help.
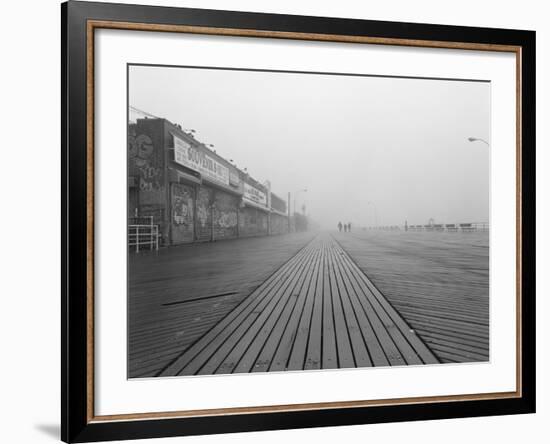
(253, 194)
(198, 160)
(278, 204)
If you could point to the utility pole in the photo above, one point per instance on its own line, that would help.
(288, 211)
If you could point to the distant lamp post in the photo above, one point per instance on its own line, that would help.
(478, 139)
(375, 212)
(295, 193)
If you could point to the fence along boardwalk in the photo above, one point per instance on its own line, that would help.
(318, 310)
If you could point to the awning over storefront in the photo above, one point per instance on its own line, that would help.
(219, 186)
(180, 176)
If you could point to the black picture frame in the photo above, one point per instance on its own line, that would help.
(77, 425)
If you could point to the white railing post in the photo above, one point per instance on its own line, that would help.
(140, 235)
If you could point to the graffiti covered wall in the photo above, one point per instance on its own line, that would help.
(183, 220)
(146, 167)
(252, 222)
(192, 205)
(204, 214)
(279, 224)
(225, 215)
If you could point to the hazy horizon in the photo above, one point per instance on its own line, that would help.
(394, 149)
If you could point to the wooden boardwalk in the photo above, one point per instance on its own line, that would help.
(178, 294)
(439, 283)
(317, 311)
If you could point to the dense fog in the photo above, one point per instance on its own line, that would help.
(369, 150)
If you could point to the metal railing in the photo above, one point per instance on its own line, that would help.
(140, 220)
(141, 235)
(452, 228)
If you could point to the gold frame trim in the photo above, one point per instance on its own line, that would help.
(92, 25)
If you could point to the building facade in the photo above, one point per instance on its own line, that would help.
(191, 192)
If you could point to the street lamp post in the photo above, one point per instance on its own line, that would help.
(295, 193)
(294, 213)
(375, 212)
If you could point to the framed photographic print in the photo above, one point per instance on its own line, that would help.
(275, 221)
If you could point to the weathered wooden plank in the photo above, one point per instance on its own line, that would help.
(437, 276)
(343, 342)
(225, 357)
(412, 348)
(448, 325)
(329, 354)
(390, 350)
(358, 341)
(319, 310)
(292, 348)
(462, 339)
(287, 341)
(458, 349)
(314, 342)
(185, 321)
(448, 319)
(195, 271)
(274, 354)
(262, 339)
(236, 316)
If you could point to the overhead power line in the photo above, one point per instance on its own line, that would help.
(133, 108)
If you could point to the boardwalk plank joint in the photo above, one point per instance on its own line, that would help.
(317, 311)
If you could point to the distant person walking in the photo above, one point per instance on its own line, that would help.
(340, 227)
(345, 228)
(349, 227)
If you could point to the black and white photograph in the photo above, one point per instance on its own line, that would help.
(298, 221)
(232, 221)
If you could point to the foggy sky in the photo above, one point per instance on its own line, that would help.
(360, 145)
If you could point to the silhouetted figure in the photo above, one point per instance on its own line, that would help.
(406, 226)
(349, 227)
(340, 227)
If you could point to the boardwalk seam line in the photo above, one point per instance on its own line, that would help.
(305, 281)
(361, 277)
(332, 312)
(346, 285)
(334, 271)
(362, 307)
(348, 256)
(289, 285)
(159, 373)
(316, 309)
(314, 282)
(246, 331)
(322, 309)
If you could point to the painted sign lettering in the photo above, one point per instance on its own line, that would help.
(255, 195)
(198, 160)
